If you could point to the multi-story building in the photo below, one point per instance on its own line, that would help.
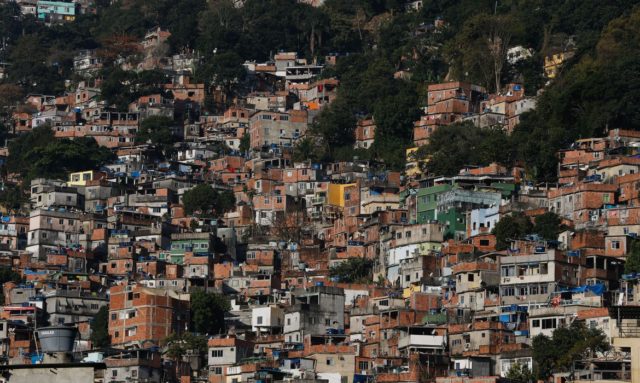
(315, 310)
(51, 229)
(142, 316)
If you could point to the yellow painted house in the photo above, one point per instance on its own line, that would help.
(413, 167)
(336, 194)
(81, 178)
(552, 63)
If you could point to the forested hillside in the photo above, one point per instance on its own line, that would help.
(595, 90)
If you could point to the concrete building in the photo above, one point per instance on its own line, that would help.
(315, 310)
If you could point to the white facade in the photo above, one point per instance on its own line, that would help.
(266, 318)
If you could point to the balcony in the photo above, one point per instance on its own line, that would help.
(629, 330)
(318, 200)
(422, 341)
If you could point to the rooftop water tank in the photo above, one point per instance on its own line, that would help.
(57, 338)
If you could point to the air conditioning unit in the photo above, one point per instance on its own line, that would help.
(506, 280)
(467, 346)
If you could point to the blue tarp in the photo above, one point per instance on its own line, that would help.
(359, 378)
(598, 289)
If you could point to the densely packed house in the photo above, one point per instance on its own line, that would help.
(444, 295)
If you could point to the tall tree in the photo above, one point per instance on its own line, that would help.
(207, 312)
(567, 344)
(100, 329)
(511, 227)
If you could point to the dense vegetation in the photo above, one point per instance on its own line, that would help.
(207, 312)
(353, 270)
(100, 329)
(597, 90)
(206, 200)
(547, 226)
(39, 154)
(566, 345)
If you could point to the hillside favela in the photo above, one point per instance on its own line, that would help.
(319, 191)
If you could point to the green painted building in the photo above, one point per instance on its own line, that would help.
(449, 203)
(427, 202)
(200, 244)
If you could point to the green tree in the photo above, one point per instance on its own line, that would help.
(548, 225)
(178, 345)
(511, 227)
(566, 345)
(205, 199)
(157, 131)
(452, 147)
(479, 50)
(520, 373)
(207, 312)
(7, 274)
(12, 197)
(632, 264)
(100, 329)
(306, 149)
(39, 154)
(353, 270)
(223, 69)
(245, 143)
(200, 198)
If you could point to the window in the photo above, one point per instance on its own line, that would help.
(217, 353)
(535, 323)
(217, 371)
(288, 321)
(363, 365)
(484, 242)
(544, 268)
(470, 277)
(330, 362)
(548, 323)
(259, 320)
(114, 373)
(615, 244)
(134, 373)
(508, 271)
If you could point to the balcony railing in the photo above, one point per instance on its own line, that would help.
(318, 200)
(629, 331)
